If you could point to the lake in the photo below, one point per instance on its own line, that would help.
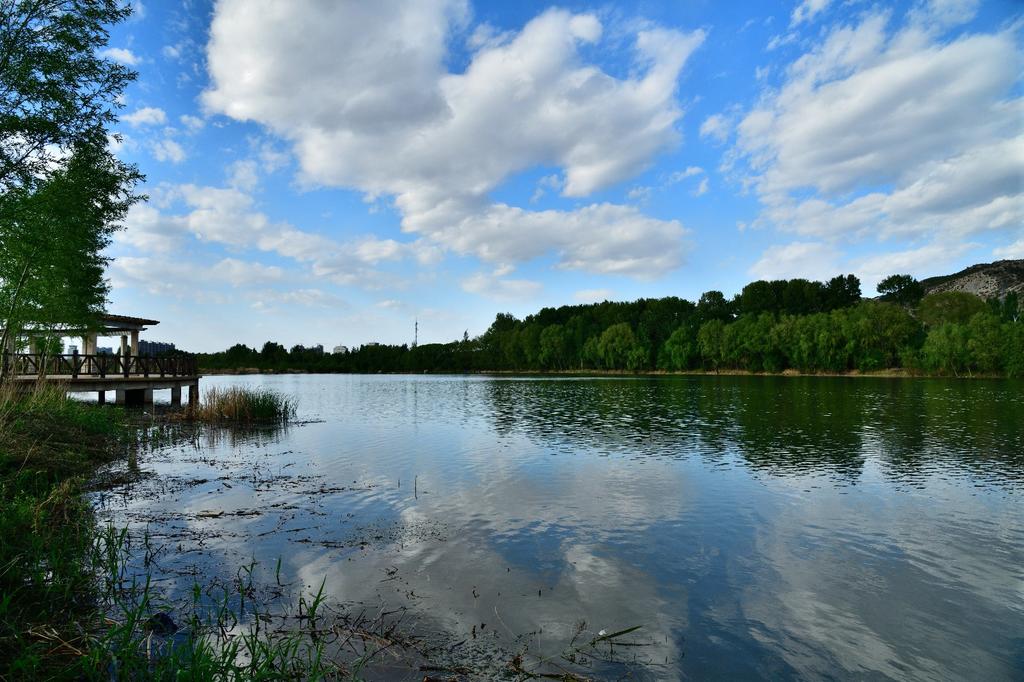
(754, 527)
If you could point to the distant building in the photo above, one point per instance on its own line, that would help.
(154, 348)
(104, 350)
(340, 349)
(72, 349)
(318, 349)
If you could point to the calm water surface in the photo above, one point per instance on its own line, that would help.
(755, 527)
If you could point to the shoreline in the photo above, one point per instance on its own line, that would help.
(892, 373)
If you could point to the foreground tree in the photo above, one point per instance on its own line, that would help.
(62, 192)
(52, 262)
(56, 94)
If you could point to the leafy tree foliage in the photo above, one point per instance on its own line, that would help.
(949, 306)
(56, 94)
(902, 289)
(62, 192)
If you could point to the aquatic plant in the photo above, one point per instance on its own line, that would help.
(242, 405)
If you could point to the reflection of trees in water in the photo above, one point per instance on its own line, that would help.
(795, 425)
(926, 424)
(782, 425)
(610, 416)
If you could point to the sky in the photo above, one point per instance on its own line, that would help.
(324, 172)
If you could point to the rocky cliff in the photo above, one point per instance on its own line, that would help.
(986, 280)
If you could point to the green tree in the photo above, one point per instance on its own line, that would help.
(985, 343)
(945, 349)
(902, 289)
(949, 306)
(61, 191)
(709, 342)
(680, 349)
(713, 306)
(554, 345)
(619, 349)
(53, 236)
(56, 93)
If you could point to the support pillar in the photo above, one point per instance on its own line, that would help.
(125, 356)
(193, 395)
(135, 342)
(134, 397)
(101, 397)
(176, 396)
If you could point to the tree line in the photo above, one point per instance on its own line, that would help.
(770, 326)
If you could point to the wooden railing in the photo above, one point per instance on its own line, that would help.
(78, 366)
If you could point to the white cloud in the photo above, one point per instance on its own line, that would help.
(811, 260)
(192, 123)
(244, 175)
(593, 295)
(640, 193)
(876, 134)
(146, 116)
(168, 150)
(717, 127)
(921, 262)
(822, 260)
(120, 55)
(683, 174)
(238, 273)
(229, 216)
(501, 289)
(377, 111)
(807, 10)
(1014, 250)
(702, 188)
(264, 299)
(174, 277)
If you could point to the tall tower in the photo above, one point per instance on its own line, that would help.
(416, 333)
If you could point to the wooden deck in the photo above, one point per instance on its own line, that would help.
(133, 377)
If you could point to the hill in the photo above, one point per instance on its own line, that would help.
(987, 280)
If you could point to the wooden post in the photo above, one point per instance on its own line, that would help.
(125, 357)
(74, 364)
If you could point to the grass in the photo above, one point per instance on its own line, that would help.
(68, 608)
(242, 405)
(49, 445)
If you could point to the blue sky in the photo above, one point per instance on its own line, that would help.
(327, 172)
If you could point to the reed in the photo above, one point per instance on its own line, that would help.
(242, 405)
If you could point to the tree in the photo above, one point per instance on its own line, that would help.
(902, 289)
(553, 347)
(841, 292)
(949, 306)
(56, 93)
(709, 342)
(618, 348)
(53, 236)
(680, 349)
(61, 191)
(713, 306)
